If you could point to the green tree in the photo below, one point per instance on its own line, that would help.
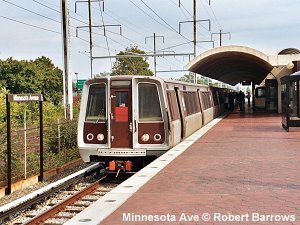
(186, 78)
(131, 65)
(33, 76)
(103, 74)
(190, 79)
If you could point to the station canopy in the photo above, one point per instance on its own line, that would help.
(232, 64)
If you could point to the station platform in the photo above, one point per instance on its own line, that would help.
(244, 170)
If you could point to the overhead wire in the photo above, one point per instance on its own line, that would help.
(168, 25)
(123, 36)
(132, 29)
(214, 15)
(41, 28)
(164, 23)
(28, 10)
(181, 10)
(143, 11)
(86, 24)
(31, 25)
(33, 12)
(105, 33)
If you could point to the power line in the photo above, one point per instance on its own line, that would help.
(213, 13)
(105, 33)
(28, 10)
(149, 15)
(57, 10)
(31, 25)
(81, 22)
(46, 6)
(172, 28)
(134, 30)
(174, 46)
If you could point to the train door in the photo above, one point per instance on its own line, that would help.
(121, 117)
(181, 110)
(201, 106)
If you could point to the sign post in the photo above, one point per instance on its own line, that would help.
(22, 98)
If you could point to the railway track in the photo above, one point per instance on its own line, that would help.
(59, 204)
(61, 212)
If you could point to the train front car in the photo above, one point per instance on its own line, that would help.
(123, 122)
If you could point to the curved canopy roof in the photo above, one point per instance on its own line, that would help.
(232, 64)
(289, 51)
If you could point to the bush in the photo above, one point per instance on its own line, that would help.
(68, 136)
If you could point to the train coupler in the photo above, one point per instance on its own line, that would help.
(119, 165)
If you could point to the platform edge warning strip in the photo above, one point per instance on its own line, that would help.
(107, 204)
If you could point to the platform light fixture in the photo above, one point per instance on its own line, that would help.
(290, 65)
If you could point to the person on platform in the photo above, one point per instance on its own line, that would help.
(231, 97)
(248, 97)
(241, 99)
(226, 101)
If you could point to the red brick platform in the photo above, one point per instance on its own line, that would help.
(245, 170)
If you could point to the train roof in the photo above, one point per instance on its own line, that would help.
(150, 77)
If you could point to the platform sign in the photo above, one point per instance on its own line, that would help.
(24, 97)
(80, 84)
(246, 83)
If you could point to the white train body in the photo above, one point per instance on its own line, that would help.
(127, 121)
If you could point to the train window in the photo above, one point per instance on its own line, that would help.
(120, 83)
(221, 97)
(96, 106)
(196, 102)
(121, 106)
(149, 106)
(206, 100)
(192, 102)
(215, 97)
(174, 113)
(187, 103)
(121, 99)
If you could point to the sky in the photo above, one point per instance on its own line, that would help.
(32, 28)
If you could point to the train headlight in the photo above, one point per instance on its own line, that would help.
(100, 137)
(90, 137)
(157, 137)
(145, 137)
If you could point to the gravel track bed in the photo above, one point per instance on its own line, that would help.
(69, 211)
(20, 193)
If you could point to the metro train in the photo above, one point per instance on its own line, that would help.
(125, 122)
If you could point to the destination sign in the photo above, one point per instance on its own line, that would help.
(24, 97)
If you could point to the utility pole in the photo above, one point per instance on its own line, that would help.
(220, 35)
(195, 28)
(90, 28)
(154, 51)
(91, 40)
(154, 48)
(194, 21)
(67, 81)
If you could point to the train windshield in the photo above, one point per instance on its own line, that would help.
(149, 106)
(96, 106)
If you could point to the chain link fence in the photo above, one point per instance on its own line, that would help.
(60, 147)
